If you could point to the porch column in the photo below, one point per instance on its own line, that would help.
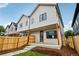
(57, 29)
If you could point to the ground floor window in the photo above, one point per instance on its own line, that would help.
(51, 34)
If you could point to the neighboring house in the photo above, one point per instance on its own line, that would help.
(45, 23)
(75, 23)
(11, 29)
(7, 30)
(23, 25)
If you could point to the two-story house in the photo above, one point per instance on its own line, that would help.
(11, 29)
(75, 23)
(45, 23)
(7, 30)
(23, 25)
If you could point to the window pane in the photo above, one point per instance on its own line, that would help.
(40, 18)
(51, 34)
(55, 34)
(43, 17)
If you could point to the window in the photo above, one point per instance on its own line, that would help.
(51, 34)
(32, 20)
(21, 25)
(40, 18)
(16, 28)
(26, 23)
(43, 17)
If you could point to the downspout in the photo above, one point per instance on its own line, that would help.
(28, 32)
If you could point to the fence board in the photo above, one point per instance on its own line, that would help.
(7, 43)
(63, 40)
(76, 42)
(71, 44)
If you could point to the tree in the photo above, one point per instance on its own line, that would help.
(2, 30)
(68, 33)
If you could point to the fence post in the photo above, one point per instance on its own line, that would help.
(17, 42)
(2, 44)
(74, 42)
(8, 42)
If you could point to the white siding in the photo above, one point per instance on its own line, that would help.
(7, 31)
(52, 18)
(23, 21)
(12, 29)
(46, 41)
(49, 41)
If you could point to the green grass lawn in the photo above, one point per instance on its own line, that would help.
(31, 53)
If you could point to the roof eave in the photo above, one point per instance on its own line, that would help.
(42, 4)
(75, 14)
(59, 14)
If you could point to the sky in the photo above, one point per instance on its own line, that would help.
(12, 12)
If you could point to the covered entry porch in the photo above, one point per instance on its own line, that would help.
(47, 36)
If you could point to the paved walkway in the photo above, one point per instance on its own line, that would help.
(20, 51)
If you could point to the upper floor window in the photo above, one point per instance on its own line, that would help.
(51, 34)
(32, 20)
(16, 28)
(21, 25)
(43, 17)
(26, 23)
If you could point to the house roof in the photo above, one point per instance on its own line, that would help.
(57, 9)
(41, 5)
(7, 26)
(21, 18)
(15, 24)
(75, 14)
(59, 14)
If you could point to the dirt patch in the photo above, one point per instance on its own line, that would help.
(47, 51)
(64, 51)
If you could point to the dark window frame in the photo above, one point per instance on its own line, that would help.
(43, 17)
(51, 34)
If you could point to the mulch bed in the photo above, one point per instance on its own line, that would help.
(64, 51)
(47, 51)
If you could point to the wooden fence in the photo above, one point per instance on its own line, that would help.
(76, 42)
(9, 43)
(73, 42)
(63, 40)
